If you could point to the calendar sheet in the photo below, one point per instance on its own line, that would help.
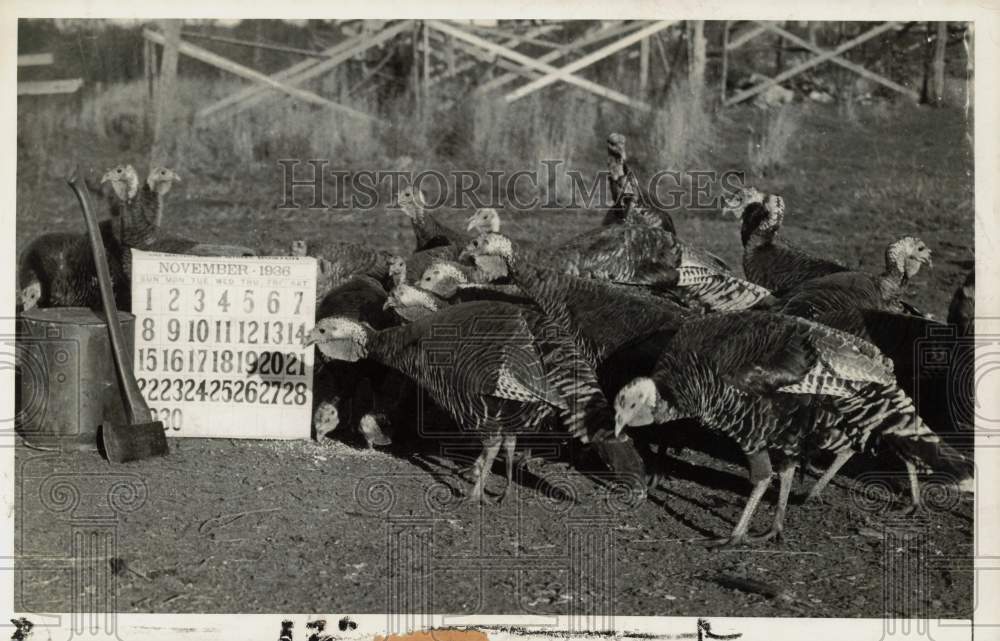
(218, 343)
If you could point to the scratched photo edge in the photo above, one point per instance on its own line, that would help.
(987, 101)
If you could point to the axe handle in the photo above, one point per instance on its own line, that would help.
(136, 409)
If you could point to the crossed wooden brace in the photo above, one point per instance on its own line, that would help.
(822, 55)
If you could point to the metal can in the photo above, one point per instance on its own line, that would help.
(66, 382)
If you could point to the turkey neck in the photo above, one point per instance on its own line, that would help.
(134, 226)
(892, 283)
(753, 237)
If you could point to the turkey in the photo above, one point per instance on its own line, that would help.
(508, 370)
(930, 362)
(859, 290)
(57, 269)
(429, 232)
(962, 310)
(790, 388)
(135, 220)
(617, 328)
(339, 261)
(634, 255)
(359, 392)
(626, 192)
(767, 260)
(411, 303)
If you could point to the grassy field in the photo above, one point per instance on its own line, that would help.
(254, 526)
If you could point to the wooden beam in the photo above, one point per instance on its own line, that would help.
(856, 68)
(149, 76)
(603, 33)
(480, 56)
(938, 65)
(165, 93)
(35, 59)
(724, 80)
(425, 89)
(565, 73)
(414, 68)
(46, 87)
(745, 37)
(305, 70)
(643, 66)
(696, 72)
(809, 64)
(255, 91)
(256, 45)
(524, 60)
(527, 37)
(225, 64)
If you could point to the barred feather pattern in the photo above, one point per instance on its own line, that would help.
(432, 233)
(484, 361)
(835, 292)
(629, 254)
(780, 267)
(718, 292)
(873, 416)
(601, 316)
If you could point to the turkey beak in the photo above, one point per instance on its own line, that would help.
(471, 222)
(619, 425)
(311, 339)
(386, 305)
(465, 255)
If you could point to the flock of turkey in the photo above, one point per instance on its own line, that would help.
(623, 326)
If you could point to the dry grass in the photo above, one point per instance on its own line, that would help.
(680, 133)
(768, 150)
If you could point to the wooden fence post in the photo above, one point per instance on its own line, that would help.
(696, 73)
(166, 86)
(149, 75)
(724, 80)
(425, 80)
(643, 66)
(938, 65)
(415, 66)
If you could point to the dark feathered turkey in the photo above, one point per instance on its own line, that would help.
(636, 256)
(500, 370)
(768, 260)
(608, 322)
(859, 290)
(57, 270)
(429, 231)
(136, 220)
(932, 363)
(631, 203)
(363, 388)
(962, 310)
(786, 387)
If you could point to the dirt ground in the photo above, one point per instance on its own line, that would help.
(230, 526)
